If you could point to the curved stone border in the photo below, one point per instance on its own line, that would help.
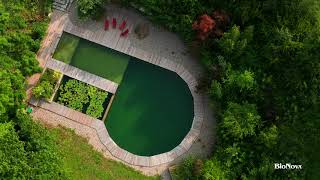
(93, 32)
(112, 147)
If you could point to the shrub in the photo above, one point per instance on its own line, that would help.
(212, 169)
(204, 26)
(13, 159)
(269, 136)
(190, 168)
(240, 120)
(28, 151)
(184, 170)
(213, 25)
(39, 30)
(43, 157)
(29, 63)
(242, 80)
(216, 90)
(175, 15)
(43, 90)
(234, 46)
(90, 8)
(46, 85)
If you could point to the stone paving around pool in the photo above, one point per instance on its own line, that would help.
(203, 124)
(112, 147)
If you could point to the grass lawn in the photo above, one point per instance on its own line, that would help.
(66, 47)
(100, 60)
(83, 162)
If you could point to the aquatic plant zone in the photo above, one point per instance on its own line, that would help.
(152, 111)
(46, 85)
(82, 97)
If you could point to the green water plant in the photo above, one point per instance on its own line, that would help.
(97, 98)
(73, 94)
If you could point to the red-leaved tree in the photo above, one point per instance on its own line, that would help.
(204, 26)
(213, 25)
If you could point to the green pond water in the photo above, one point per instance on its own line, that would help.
(152, 111)
(91, 57)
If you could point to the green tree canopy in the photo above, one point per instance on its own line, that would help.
(240, 120)
(90, 8)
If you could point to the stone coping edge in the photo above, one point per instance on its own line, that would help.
(149, 161)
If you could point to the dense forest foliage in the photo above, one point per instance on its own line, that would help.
(27, 150)
(262, 61)
(263, 67)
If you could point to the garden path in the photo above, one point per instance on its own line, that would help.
(48, 45)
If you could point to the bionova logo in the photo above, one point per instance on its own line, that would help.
(286, 166)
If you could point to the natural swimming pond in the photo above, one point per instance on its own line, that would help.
(153, 107)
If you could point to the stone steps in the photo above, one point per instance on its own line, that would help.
(59, 8)
(62, 5)
(62, 2)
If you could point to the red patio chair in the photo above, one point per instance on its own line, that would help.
(114, 23)
(124, 33)
(123, 25)
(106, 24)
